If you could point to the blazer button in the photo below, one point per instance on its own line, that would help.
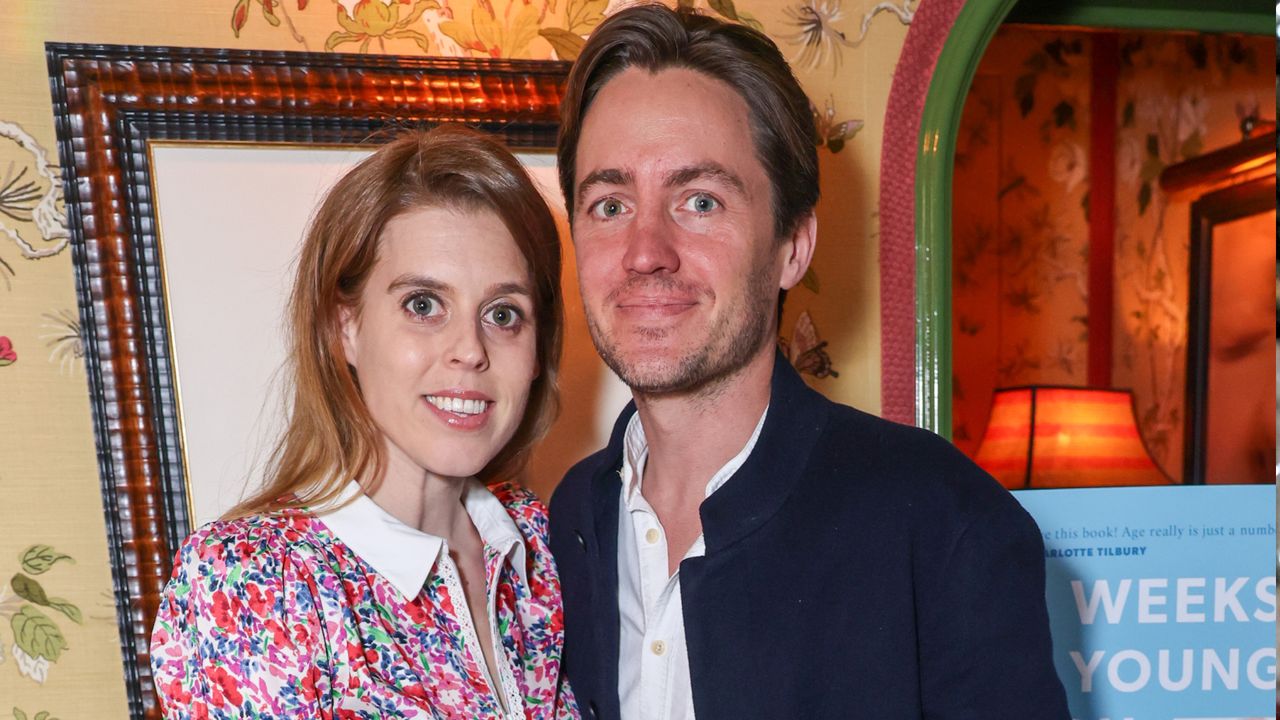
(592, 708)
(581, 540)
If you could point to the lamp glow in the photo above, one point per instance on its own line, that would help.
(1059, 437)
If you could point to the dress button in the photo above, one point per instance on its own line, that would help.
(652, 536)
(658, 647)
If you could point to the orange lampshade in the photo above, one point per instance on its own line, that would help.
(1059, 437)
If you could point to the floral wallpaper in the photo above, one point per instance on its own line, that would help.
(1020, 260)
(59, 647)
(1020, 254)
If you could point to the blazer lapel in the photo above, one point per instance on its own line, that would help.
(796, 418)
(606, 489)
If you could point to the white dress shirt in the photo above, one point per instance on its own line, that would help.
(653, 659)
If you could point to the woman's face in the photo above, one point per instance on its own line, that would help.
(444, 342)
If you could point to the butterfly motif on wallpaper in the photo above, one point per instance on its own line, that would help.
(831, 134)
(806, 350)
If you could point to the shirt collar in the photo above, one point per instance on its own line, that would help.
(405, 555)
(635, 454)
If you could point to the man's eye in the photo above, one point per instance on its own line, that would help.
(609, 208)
(504, 316)
(421, 306)
(701, 204)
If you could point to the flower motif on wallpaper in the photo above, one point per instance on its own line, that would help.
(32, 213)
(1057, 58)
(484, 30)
(1129, 159)
(240, 14)
(7, 354)
(65, 343)
(1193, 112)
(580, 18)
(1068, 164)
(814, 30)
(1017, 363)
(37, 639)
(813, 27)
(364, 21)
(42, 715)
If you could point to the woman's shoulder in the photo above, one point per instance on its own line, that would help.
(524, 507)
(257, 540)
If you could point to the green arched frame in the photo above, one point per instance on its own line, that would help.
(958, 62)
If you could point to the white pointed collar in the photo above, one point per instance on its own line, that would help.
(405, 555)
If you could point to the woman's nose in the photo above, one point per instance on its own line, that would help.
(467, 348)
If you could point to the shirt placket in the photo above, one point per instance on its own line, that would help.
(656, 590)
(453, 580)
(495, 561)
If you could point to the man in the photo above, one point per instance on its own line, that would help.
(744, 548)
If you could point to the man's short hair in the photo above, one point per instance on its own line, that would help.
(654, 38)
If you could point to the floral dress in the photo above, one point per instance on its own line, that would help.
(274, 616)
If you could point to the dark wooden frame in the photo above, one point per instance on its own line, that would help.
(109, 103)
(1220, 206)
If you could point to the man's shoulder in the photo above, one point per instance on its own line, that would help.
(905, 462)
(572, 493)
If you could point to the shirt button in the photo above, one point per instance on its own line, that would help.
(652, 536)
(658, 647)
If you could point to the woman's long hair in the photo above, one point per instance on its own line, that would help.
(331, 438)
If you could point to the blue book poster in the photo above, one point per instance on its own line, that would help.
(1162, 601)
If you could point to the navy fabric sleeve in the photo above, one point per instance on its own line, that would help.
(985, 649)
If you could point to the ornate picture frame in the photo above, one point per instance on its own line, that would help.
(110, 103)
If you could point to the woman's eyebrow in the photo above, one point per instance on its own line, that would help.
(509, 288)
(421, 282)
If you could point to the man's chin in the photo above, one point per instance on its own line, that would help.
(649, 373)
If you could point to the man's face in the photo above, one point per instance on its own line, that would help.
(678, 266)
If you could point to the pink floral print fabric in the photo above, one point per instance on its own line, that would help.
(272, 616)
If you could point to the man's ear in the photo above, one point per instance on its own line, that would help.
(349, 326)
(797, 251)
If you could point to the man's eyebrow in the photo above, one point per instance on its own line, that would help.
(707, 170)
(610, 176)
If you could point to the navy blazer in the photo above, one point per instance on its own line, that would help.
(855, 568)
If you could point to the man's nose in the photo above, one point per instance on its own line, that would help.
(651, 243)
(466, 348)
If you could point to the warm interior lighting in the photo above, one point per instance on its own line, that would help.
(1058, 437)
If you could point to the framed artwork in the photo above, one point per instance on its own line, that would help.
(1230, 429)
(140, 131)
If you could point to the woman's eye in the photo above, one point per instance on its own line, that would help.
(422, 306)
(609, 208)
(701, 203)
(504, 316)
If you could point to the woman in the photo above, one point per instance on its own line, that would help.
(375, 575)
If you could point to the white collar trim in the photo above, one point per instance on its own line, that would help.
(405, 555)
(636, 455)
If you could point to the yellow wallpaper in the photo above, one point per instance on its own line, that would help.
(56, 605)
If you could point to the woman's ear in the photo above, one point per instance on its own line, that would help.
(349, 326)
(797, 251)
